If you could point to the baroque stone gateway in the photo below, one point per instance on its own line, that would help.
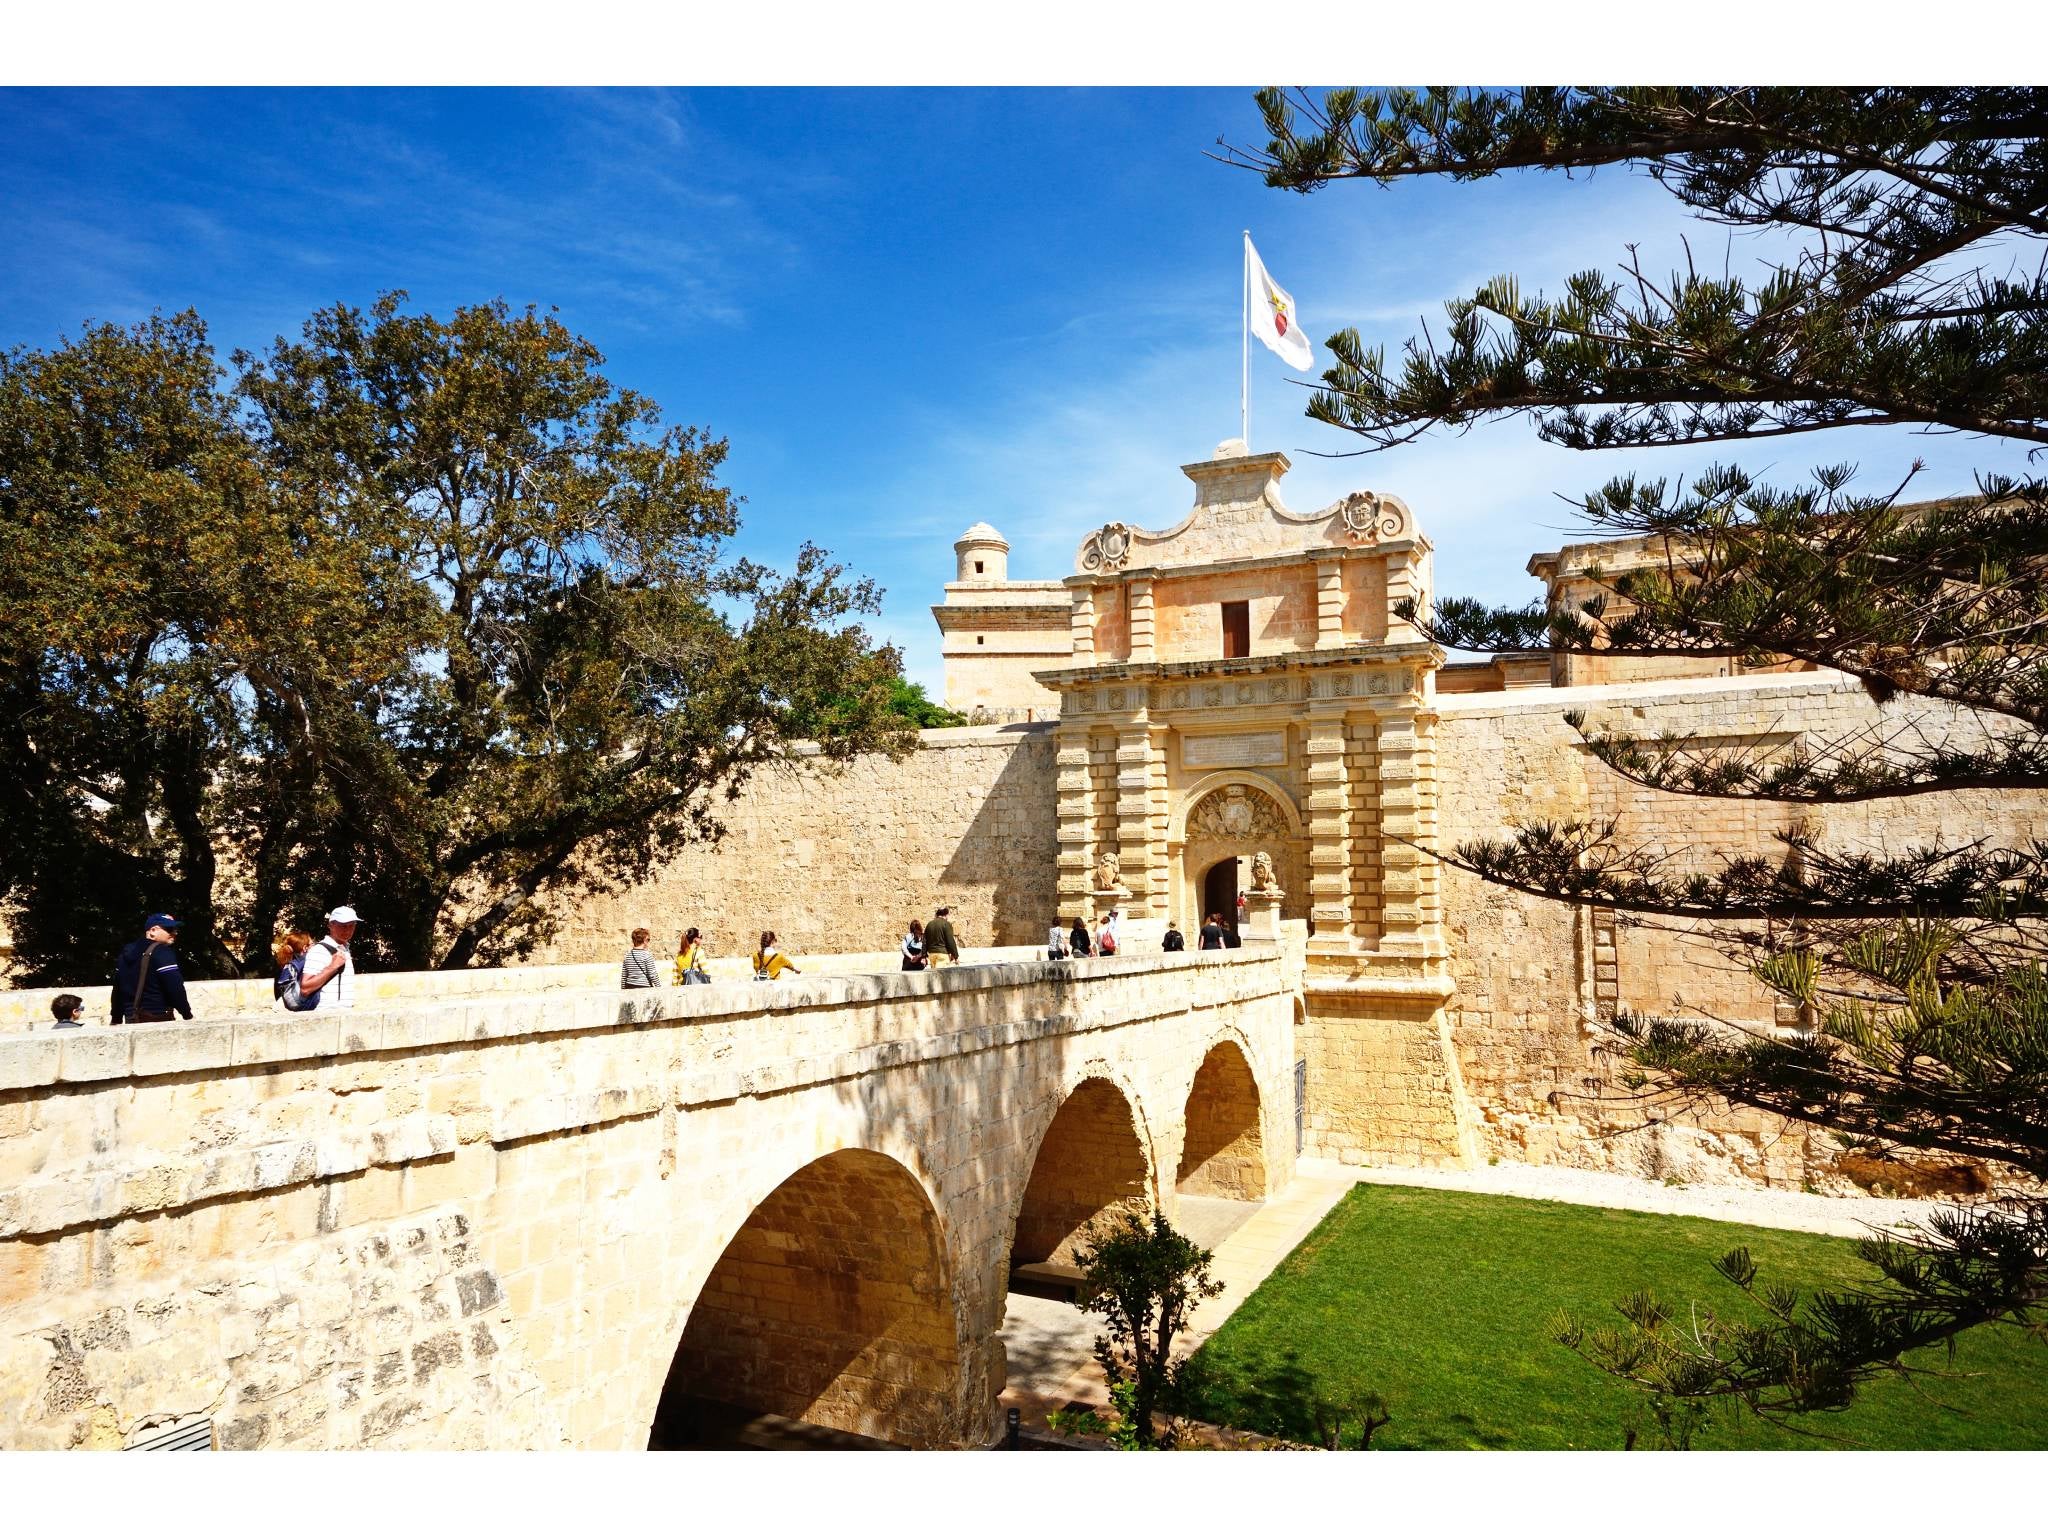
(513, 1208)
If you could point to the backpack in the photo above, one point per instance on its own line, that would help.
(1107, 946)
(287, 985)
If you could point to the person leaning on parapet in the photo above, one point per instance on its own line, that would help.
(940, 947)
(1056, 944)
(289, 985)
(148, 986)
(1174, 942)
(638, 968)
(68, 1009)
(1078, 941)
(770, 962)
(331, 960)
(1211, 936)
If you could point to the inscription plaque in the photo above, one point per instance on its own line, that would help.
(1239, 750)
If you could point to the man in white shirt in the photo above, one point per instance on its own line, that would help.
(330, 967)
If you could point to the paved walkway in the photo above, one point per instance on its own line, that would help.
(1049, 1343)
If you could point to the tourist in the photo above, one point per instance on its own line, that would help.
(1240, 914)
(1105, 939)
(1231, 939)
(289, 985)
(1174, 942)
(68, 1009)
(1211, 936)
(1056, 944)
(334, 960)
(148, 986)
(1077, 940)
(913, 947)
(638, 969)
(939, 940)
(770, 962)
(690, 970)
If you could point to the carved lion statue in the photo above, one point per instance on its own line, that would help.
(1263, 878)
(1108, 872)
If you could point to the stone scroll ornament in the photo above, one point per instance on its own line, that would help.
(1235, 812)
(1368, 517)
(1108, 548)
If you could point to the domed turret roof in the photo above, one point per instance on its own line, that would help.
(981, 533)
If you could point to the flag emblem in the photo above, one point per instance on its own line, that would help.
(1274, 319)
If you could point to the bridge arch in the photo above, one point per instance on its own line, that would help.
(833, 1304)
(1094, 1157)
(1223, 1126)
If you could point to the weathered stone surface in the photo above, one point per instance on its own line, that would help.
(304, 1250)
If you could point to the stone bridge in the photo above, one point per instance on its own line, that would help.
(561, 1218)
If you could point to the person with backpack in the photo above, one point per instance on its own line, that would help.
(148, 986)
(1175, 941)
(289, 985)
(770, 962)
(1105, 941)
(690, 970)
(334, 960)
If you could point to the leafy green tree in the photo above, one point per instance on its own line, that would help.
(423, 614)
(1907, 298)
(1144, 1279)
(908, 700)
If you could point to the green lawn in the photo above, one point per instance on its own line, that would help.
(1437, 1301)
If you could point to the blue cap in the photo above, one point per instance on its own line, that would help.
(161, 920)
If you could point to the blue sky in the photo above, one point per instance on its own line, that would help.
(908, 310)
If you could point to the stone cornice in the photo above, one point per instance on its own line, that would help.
(1243, 667)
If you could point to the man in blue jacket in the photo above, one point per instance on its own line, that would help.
(148, 985)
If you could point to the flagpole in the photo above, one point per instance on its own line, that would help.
(1244, 337)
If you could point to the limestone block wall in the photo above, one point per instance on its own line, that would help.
(1532, 975)
(844, 861)
(487, 1221)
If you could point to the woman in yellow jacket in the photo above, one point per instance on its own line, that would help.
(690, 970)
(770, 962)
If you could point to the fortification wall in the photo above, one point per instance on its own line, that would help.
(843, 861)
(1532, 975)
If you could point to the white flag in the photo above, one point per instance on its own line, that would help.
(1274, 318)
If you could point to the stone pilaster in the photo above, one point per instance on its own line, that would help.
(1329, 822)
(1139, 595)
(1329, 599)
(1408, 924)
(1081, 623)
(1406, 570)
(1143, 861)
(1076, 821)
(1362, 769)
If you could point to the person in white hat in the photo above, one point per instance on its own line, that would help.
(330, 960)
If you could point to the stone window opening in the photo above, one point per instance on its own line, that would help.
(980, 639)
(1237, 630)
(977, 567)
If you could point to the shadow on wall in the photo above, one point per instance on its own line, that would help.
(1012, 847)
